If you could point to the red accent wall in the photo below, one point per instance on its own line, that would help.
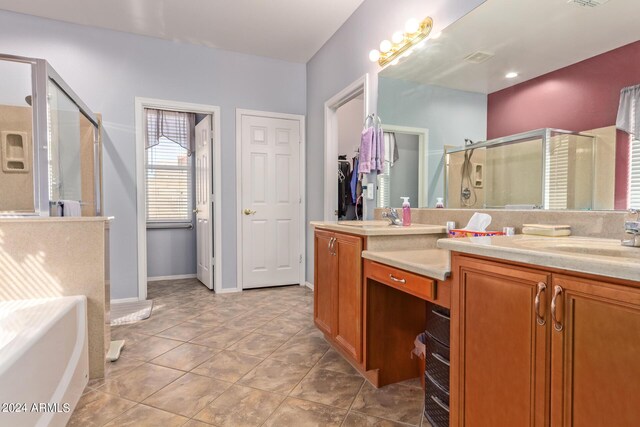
(579, 97)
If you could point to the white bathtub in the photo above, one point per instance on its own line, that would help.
(44, 363)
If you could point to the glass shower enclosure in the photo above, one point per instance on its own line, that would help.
(50, 146)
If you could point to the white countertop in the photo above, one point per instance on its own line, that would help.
(602, 257)
(434, 263)
(378, 228)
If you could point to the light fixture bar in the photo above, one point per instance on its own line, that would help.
(409, 40)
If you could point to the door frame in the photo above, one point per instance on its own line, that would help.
(355, 89)
(301, 179)
(215, 212)
(423, 153)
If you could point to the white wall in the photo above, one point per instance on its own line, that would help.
(342, 60)
(108, 69)
(350, 117)
(15, 84)
(450, 115)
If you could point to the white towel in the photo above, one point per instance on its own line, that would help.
(71, 208)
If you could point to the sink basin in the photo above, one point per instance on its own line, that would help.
(367, 224)
(582, 246)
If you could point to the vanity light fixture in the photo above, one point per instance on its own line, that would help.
(402, 43)
(511, 75)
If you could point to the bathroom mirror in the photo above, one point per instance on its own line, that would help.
(16, 138)
(517, 103)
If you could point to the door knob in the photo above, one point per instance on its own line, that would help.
(249, 212)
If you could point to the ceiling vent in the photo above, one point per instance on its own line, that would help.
(478, 57)
(588, 3)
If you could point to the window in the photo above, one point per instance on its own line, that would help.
(169, 168)
(634, 175)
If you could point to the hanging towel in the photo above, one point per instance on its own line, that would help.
(367, 147)
(71, 208)
(379, 151)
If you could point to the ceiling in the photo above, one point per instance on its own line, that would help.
(530, 37)
(292, 30)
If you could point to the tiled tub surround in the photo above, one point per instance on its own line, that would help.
(246, 359)
(53, 257)
(601, 224)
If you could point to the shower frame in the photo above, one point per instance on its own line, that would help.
(41, 73)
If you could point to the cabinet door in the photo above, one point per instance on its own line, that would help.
(348, 295)
(595, 354)
(501, 353)
(325, 276)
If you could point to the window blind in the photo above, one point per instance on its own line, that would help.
(168, 178)
(634, 175)
(557, 173)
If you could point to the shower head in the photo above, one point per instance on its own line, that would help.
(27, 99)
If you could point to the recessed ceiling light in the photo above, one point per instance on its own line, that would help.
(511, 75)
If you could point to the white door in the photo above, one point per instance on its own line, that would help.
(203, 178)
(270, 201)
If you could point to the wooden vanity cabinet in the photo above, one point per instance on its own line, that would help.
(338, 290)
(571, 359)
(595, 353)
(499, 351)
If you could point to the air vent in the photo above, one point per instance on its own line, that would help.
(588, 3)
(478, 57)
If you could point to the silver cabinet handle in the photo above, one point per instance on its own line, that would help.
(440, 359)
(395, 279)
(440, 403)
(541, 290)
(557, 324)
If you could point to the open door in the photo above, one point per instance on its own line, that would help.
(203, 211)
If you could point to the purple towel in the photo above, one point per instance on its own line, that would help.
(367, 147)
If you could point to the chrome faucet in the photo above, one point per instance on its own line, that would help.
(633, 228)
(392, 216)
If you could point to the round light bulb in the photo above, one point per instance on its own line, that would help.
(374, 55)
(411, 26)
(436, 35)
(397, 37)
(395, 61)
(385, 46)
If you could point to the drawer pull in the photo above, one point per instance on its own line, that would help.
(437, 313)
(440, 403)
(440, 359)
(395, 279)
(541, 290)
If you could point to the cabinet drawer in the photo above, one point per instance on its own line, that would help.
(413, 284)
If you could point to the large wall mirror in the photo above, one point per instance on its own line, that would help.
(519, 104)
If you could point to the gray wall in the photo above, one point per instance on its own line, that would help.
(342, 60)
(405, 173)
(450, 115)
(108, 69)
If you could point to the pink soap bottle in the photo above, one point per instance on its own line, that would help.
(406, 212)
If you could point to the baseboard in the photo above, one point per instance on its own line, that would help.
(309, 285)
(122, 300)
(229, 291)
(176, 277)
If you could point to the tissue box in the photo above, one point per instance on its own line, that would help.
(458, 232)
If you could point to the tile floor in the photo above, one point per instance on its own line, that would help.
(246, 359)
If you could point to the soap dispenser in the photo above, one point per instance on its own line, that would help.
(406, 212)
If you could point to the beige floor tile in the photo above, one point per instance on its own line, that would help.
(329, 388)
(395, 402)
(141, 382)
(300, 352)
(275, 376)
(221, 337)
(259, 345)
(300, 413)
(333, 361)
(188, 395)
(122, 365)
(227, 366)
(185, 331)
(146, 416)
(154, 324)
(96, 408)
(196, 423)
(150, 348)
(355, 419)
(240, 407)
(185, 357)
